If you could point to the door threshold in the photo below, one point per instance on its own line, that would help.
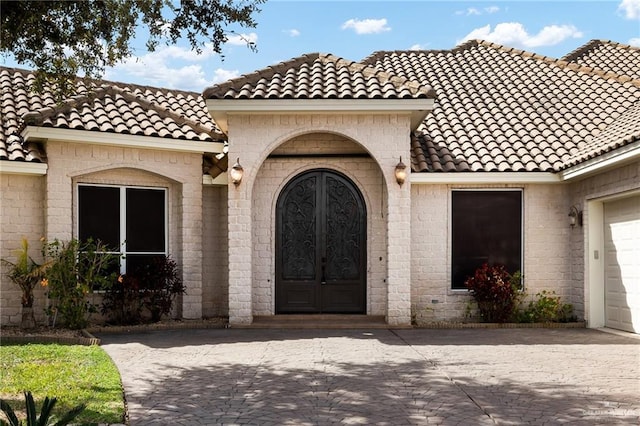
(318, 321)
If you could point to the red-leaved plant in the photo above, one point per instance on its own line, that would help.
(496, 292)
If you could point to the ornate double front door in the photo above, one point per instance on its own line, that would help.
(321, 245)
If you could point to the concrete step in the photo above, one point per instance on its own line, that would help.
(318, 321)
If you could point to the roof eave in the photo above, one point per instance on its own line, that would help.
(23, 168)
(621, 156)
(36, 133)
(220, 180)
(484, 178)
(417, 108)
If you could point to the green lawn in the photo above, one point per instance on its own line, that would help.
(71, 373)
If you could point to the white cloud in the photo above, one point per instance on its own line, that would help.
(367, 26)
(553, 34)
(467, 12)
(514, 34)
(220, 75)
(183, 53)
(635, 42)
(169, 66)
(630, 9)
(474, 11)
(418, 46)
(242, 39)
(188, 77)
(292, 32)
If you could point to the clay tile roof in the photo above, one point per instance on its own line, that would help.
(624, 130)
(608, 56)
(498, 109)
(503, 109)
(319, 76)
(100, 106)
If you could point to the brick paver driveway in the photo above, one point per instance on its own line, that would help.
(387, 377)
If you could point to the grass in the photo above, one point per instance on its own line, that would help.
(73, 374)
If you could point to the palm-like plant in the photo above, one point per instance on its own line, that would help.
(26, 273)
(45, 413)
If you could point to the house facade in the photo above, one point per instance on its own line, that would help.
(510, 158)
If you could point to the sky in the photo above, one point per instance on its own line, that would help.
(355, 29)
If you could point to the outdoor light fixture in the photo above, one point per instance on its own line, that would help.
(401, 172)
(236, 172)
(575, 216)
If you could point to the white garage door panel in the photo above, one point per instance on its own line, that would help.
(622, 264)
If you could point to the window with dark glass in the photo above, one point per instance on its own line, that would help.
(99, 215)
(486, 228)
(131, 221)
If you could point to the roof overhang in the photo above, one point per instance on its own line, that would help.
(220, 109)
(621, 156)
(23, 168)
(469, 178)
(220, 180)
(35, 133)
(600, 164)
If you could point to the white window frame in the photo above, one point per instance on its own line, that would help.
(123, 220)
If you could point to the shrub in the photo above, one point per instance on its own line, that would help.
(495, 291)
(162, 285)
(122, 302)
(26, 274)
(547, 307)
(153, 288)
(75, 269)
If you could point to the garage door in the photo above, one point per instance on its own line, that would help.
(622, 264)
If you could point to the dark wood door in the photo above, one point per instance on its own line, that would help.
(320, 245)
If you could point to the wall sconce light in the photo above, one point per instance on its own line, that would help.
(236, 173)
(575, 216)
(401, 172)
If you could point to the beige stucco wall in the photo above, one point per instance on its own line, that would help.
(547, 259)
(253, 137)
(21, 215)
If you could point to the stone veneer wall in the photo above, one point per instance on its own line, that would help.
(21, 215)
(70, 163)
(547, 259)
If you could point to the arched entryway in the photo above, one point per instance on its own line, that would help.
(321, 239)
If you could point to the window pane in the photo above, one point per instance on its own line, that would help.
(145, 220)
(486, 229)
(139, 264)
(99, 215)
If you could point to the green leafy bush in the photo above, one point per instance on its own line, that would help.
(495, 291)
(547, 307)
(26, 274)
(75, 269)
(150, 290)
(122, 302)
